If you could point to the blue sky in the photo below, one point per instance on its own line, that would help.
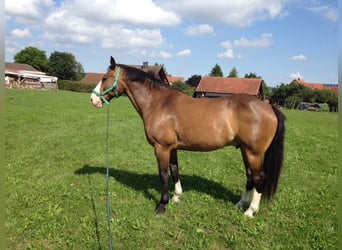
(277, 39)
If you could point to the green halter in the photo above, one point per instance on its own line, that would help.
(112, 88)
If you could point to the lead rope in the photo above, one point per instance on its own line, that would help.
(107, 180)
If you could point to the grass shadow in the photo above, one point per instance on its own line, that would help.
(144, 182)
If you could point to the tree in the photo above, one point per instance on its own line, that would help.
(181, 86)
(32, 56)
(252, 75)
(79, 71)
(233, 73)
(64, 66)
(216, 71)
(193, 81)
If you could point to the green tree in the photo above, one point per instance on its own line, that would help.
(79, 71)
(233, 73)
(193, 81)
(32, 56)
(64, 66)
(216, 71)
(181, 86)
(252, 75)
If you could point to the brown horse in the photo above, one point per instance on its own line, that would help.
(174, 120)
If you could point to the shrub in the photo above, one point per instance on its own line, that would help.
(76, 86)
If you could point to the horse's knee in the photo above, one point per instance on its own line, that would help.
(259, 182)
(249, 183)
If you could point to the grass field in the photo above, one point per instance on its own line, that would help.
(56, 188)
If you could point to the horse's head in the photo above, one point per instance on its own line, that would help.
(108, 87)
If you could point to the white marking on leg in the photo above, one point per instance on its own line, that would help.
(96, 100)
(244, 201)
(254, 206)
(178, 191)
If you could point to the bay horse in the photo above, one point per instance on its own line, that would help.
(175, 121)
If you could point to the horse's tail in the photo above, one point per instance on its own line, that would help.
(273, 159)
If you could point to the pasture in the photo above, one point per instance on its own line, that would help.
(55, 194)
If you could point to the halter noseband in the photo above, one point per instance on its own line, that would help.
(112, 88)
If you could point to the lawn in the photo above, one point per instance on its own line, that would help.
(55, 145)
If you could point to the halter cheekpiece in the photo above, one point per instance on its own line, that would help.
(112, 88)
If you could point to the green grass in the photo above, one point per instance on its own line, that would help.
(56, 189)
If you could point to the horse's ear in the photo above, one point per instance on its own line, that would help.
(112, 63)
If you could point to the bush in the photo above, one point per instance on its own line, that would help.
(76, 86)
(181, 86)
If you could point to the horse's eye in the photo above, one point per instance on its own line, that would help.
(104, 78)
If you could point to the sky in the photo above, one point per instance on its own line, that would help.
(279, 40)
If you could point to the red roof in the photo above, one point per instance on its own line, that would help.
(225, 85)
(173, 79)
(16, 68)
(92, 77)
(318, 86)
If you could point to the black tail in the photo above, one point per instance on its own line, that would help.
(273, 159)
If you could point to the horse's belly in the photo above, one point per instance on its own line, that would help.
(205, 142)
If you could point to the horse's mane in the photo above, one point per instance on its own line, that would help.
(138, 75)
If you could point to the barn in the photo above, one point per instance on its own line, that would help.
(225, 86)
(19, 75)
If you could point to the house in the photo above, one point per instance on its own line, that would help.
(25, 76)
(224, 86)
(92, 78)
(157, 71)
(318, 86)
(173, 79)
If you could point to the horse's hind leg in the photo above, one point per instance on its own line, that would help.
(254, 186)
(175, 176)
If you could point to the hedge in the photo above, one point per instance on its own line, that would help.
(76, 86)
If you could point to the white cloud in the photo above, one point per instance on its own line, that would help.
(132, 38)
(132, 28)
(297, 75)
(326, 11)
(165, 55)
(142, 12)
(331, 15)
(229, 54)
(235, 13)
(227, 44)
(184, 53)
(21, 33)
(299, 57)
(199, 30)
(265, 40)
(27, 11)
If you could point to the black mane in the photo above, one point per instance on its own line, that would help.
(138, 75)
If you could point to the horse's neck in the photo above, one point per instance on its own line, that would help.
(143, 97)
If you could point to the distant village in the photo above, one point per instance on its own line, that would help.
(19, 75)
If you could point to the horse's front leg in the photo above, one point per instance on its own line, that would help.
(163, 157)
(175, 176)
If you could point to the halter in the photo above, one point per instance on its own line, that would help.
(112, 88)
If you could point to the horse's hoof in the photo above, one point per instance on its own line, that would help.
(160, 209)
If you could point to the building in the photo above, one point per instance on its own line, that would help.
(225, 86)
(18, 75)
(173, 79)
(318, 86)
